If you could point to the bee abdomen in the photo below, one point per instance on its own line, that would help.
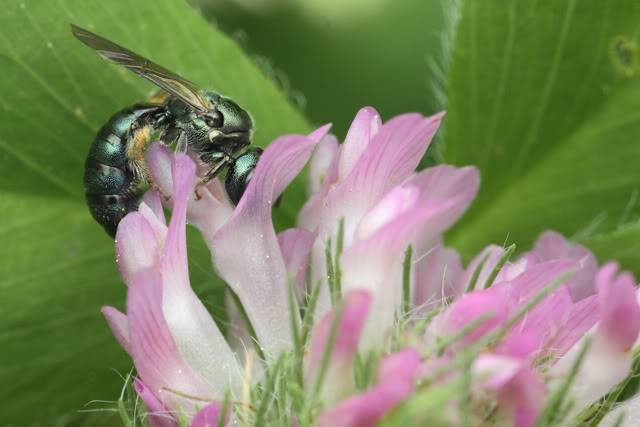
(112, 189)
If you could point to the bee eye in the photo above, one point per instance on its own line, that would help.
(214, 119)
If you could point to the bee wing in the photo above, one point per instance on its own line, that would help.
(160, 76)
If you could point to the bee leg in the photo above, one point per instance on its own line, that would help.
(213, 172)
(181, 144)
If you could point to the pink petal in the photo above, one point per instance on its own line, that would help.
(208, 416)
(354, 313)
(245, 250)
(403, 365)
(117, 321)
(490, 255)
(366, 409)
(396, 202)
(196, 335)
(488, 304)
(157, 415)
(295, 245)
(582, 317)
(209, 211)
(526, 393)
(320, 167)
(153, 348)
(238, 332)
(494, 371)
(544, 320)
(552, 246)
(444, 193)
(152, 200)
(320, 133)
(364, 127)
(618, 308)
(519, 388)
(389, 159)
(160, 159)
(338, 379)
(436, 276)
(523, 344)
(137, 245)
(603, 367)
(535, 279)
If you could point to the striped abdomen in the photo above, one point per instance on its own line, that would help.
(112, 187)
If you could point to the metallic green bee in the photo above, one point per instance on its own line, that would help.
(206, 124)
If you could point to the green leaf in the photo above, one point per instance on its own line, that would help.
(544, 97)
(622, 245)
(57, 264)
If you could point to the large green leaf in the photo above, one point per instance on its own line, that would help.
(622, 244)
(57, 264)
(544, 97)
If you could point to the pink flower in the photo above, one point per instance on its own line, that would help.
(179, 353)
(369, 183)
(366, 198)
(608, 359)
(552, 331)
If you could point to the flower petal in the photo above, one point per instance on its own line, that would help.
(245, 250)
(367, 408)
(137, 245)
(196, 335)
(552, 246)
(436, 276)
(403, 365)
(601, 370)
(117, 321)
(157, 415)
(364, 127)
(152, 200)
(389, 159)
(320, 167)
(631, 410)
(493, 371)
(153, 349)
(519, 389)
(491, 255)
(295, 245)
(209, 210)
(339, 378)
(208, 416)
(535, 278)
(444, 193)
(583, 315)
(159, 159)
(488, 305)
(618, 307)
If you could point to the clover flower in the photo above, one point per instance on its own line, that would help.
(361, 310)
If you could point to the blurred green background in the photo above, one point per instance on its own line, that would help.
(543, 96)
(332, 58)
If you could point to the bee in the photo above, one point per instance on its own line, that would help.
(212, 127)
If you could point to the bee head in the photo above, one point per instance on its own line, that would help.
(224, 127)
(227, 123)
